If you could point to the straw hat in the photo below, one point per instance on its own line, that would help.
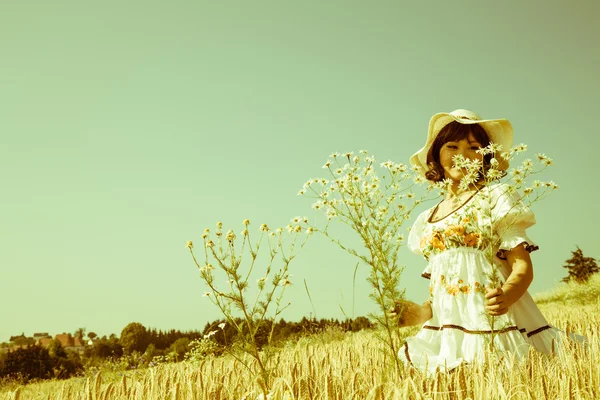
(498, 130)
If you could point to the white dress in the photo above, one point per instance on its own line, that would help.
(458, 248)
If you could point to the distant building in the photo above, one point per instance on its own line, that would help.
(45, 341)
(38, 336)
(16, 338)
(69, 341)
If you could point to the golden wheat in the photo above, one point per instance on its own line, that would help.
(354, 368)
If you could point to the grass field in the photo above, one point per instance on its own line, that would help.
(336, 365)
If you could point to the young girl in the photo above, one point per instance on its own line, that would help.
(458, 324)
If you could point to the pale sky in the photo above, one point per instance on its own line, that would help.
(129, 127)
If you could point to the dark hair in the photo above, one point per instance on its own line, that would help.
(454, 131)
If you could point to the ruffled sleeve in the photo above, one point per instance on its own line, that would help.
(415, 239)
(511, 218)
(416, 233)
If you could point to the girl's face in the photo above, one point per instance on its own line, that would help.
(467, 147)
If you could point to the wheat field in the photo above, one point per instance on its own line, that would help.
(337, 365)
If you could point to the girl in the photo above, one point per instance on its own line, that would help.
(466, 311)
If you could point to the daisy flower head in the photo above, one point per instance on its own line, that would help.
(520, 148)
(419, 179)
(334, 155)
(459, 161)
(246, 222)
(494, 147)
(189, 244)
(551, 185)
(230, 236)
(286, 282)
(493, 174)
(327, 164)
(264, 228)
(400, 167)
(507, 155)
(387, 165)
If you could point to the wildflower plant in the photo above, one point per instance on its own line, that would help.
(514, 192)
(228, 285)
(374, 207)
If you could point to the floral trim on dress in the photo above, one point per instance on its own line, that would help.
(458, 287)
(462, 231)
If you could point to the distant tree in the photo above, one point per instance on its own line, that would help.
(150, 352)
(580, 268)
(134, 337)
(27, 363)
(65, 363)
(55, 349)
(92, 335)
(79, 333)
(180, 347)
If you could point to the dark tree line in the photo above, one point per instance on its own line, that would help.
(37, 362)
(283, 330)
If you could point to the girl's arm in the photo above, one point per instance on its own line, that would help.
(498, 300)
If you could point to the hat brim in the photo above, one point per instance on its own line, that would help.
(498, 130)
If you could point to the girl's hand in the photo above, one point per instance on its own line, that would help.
(496, 303)
(409, 313)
